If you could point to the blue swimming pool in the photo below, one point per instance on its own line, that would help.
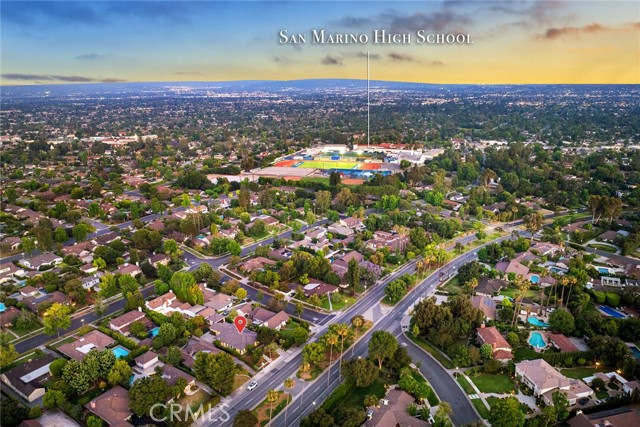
(635, 351)
(2, 307)
(537, 340)
(154, 331)
(534, 278)
(537, 322)
(120, 351)
(603, 270)
(557, 270)
(611, 312)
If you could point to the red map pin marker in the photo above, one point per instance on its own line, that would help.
(240, 323)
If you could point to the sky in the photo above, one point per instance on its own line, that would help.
(515, 41)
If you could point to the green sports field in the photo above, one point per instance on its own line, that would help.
(316, 164)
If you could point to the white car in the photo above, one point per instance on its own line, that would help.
(252, 385)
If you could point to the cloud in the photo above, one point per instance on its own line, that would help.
(53, 13)
(19, 76)
(446, 20)
(330, 60)
(353, 22)
(593, 28)
(283, 60)
(363, 55)
(92, 56)
(65, 79)
(401, 57)
(442, 20)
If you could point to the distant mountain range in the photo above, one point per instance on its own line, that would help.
(309, 85)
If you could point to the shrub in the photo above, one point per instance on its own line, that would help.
(613, 299)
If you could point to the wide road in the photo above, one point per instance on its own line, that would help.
(41, 339)
(315, 392)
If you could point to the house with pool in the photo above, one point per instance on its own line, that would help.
(544, 380)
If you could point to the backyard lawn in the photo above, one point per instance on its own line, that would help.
(580, 373)
(494, 383)
(344, 301)
(452, 286)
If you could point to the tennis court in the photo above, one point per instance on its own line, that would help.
(286, 163)
(315, 164)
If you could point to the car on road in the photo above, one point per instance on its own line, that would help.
(252, 385)
(404, 344)
(315, 320)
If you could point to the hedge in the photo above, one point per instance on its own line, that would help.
(560, 358)
(128, 343)
(339, 395)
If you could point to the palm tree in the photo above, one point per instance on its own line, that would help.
(272, 397)
(343, 331)
(572, 281)
(564, 281)
(331, 340)
(357, 322)
(289, 383)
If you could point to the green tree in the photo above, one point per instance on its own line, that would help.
(382, 346)
(94, 421)
(120, 373)
(76, 376)
(80, 231)
(506, 413)
(313, 353)
(562, 321)
(353, 273)
(28, 245)
(57, 317)
(174, 356)
(8, 354)
(108, 285)
(234, 248)
(241, 293)
(53, 399)
(245, 418)
(215, 370)
(561, 404)
(396, 290)
(362, 372)
(146, 392)
(57, 367)
(99, 306)
(60, 236)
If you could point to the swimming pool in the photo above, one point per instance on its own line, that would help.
(635, 351)
(2, 307)
(603, 270)
(537, 340)
(534, 278)
(537, 322)
(120, 351)
(154, 331)
(557, 270)
(611, 312)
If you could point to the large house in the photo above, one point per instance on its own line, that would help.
(513, 266)
(264, 317)
(122, 323)
(46, 259)
(544, 379)
(228, 336)
(78, 349)
(489, 287)
(28, 379)
(491, 335)
(620, 417)
(393, 412)
(112, 406)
